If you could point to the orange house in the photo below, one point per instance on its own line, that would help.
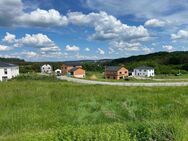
(67, 66)
(116, 72)
(73, 69)
(77, 72)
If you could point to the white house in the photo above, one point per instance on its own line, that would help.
(144, 71)
(46, 69)
(8, 71)
(58, 72)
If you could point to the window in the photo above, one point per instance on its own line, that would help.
(120, 73)
(125, 72)
(5, 71)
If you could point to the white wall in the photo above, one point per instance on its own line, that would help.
(144, 72)
(11, 72)
(46, 69)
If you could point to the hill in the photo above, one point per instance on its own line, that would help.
(12, 60)
(163, 62)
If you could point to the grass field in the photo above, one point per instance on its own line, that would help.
(47, 110)
(98, 76)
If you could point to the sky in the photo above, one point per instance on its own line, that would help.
(61, 30)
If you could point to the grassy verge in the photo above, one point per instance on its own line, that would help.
(54, 110)
(97, 76)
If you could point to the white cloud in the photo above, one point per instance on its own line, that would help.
(181, 34)
(9, 38)
(100, 51)
(175, 11)
(168, 48)
(107, 27)
(41, 43)
(38, 41)
(72, 48)
(147, 50)
(50, 48)
(12, 13)
(4, 48)
(43, 18)
(30, 54)
(155, 23)
(9, 11)
(35, 40)
(121, 45)
(87, 49)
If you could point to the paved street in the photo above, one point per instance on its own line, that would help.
(151, 84)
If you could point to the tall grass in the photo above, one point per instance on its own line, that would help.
(40, 108)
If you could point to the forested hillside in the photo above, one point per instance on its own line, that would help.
(163, 62)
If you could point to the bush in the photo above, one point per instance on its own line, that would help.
(113, 132)
(34, 76)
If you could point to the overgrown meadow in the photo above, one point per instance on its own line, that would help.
(45, 109)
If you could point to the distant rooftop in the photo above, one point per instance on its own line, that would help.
(144, 68)
(3, 64)
(72, 63)
(74, 69)
(113, 68)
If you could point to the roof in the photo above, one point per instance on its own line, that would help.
(144, 68)
(72, 63)
(113, 68)
(74, 69)
(3, 64)
(46, 65)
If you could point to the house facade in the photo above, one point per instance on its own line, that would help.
(46, 69)
(144, 71)
(58, 72)
(67, 66)
(116, 72)
(8, 71)
(77, 72)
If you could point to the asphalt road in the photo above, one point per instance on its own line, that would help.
(151, 84)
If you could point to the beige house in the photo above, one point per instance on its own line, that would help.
(116, 72)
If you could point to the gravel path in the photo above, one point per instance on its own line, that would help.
(151, 84)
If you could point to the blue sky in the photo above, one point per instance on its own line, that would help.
(58, 30)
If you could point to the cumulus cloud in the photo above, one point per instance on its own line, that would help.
(30, 54)
(43, 18)
(163, 9)
(125, 46)
(100, 51)
(107, 27)
(9, 11)
(181, 34)
(35, 40)
(43, 45)
(72, 48)
(12, 13)
(87, 49)
(4, 48)
(169, 48)
(155, 23)
(9, 38)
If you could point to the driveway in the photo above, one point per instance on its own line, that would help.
(151, 84)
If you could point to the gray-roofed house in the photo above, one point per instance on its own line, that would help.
(67, 66)
(8, 71)
(116, 72)
(144, 71)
